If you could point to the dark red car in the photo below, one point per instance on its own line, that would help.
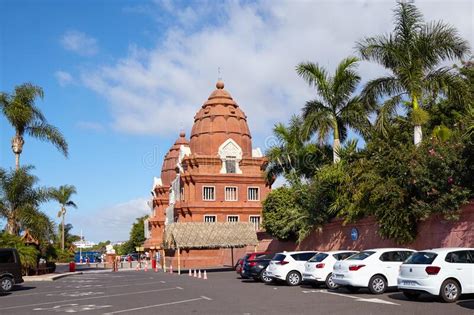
(249, 256)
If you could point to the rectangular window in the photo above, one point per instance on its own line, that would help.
(232, 218)
(255, 219)
(210, 218)
(230, 167)
(208, 193)
(231, 194)
(253, 194)
(182, 194)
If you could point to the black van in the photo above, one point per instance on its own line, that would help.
(10, 269)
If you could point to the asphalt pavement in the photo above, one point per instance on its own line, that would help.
(140, 292)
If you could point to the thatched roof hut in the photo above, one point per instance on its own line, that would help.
(209, 235)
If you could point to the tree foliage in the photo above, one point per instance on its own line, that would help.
(28, 254)
(413, 53)
(19, 203)
(137, 236)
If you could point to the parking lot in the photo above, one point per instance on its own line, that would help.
(143, 292)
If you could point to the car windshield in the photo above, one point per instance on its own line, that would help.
(421, 258)
(318, 257)
(279, 257)
(361, 255)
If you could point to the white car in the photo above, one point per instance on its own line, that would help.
(289, 266)
(319, 268)
(447, 272)
(375, 269)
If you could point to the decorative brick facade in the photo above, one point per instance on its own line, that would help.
(214, 176)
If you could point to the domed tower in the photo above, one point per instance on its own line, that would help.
(162, 188)
(220, 119)
(170, 162)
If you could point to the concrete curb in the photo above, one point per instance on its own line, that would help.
(50, 277)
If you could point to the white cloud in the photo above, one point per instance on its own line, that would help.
(79, 43)
(257, 46)
(64, 78)
(111, 223)
(90, 125)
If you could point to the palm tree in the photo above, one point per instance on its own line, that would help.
(335, 109)
(291, 155)
(412, 52)
(25, 117)
(63, 196)
(19, 203)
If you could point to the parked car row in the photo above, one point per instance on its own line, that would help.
(446, 272)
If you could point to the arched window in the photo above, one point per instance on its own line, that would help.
(230, 154)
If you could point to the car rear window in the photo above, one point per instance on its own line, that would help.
(279, 257)
(6, 257)
(421, 258)
(361, 255)
(303, 256)
(342, 256)
(319, 257)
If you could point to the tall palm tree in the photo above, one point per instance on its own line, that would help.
(335, 108)
(20, 110)
(19, 203)
(291, 154)
(63, 196)
(413, 52)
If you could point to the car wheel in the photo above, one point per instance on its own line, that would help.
(352, 289)
(411, 295)
(450, 291)
(264, 278)
(330, 283)
(6, 284)
(377, 284)
(293, 278)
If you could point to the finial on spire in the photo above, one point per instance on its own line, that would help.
(220, 83)
(182, 133)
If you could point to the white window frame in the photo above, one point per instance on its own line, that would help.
(210, 215)
(207, 186)
(233, 215)
(236, 193)
(259, 221)
(258, 193)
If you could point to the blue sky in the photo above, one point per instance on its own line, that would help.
(121, 78)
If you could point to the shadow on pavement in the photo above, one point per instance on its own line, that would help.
(23, 288)
(469, 304)
(466, 301)
(424, 298)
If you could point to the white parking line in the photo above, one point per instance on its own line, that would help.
(357, 298)
(158, 305)
(89, 298)
(77, 288)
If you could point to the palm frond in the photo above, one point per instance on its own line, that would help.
(385, 113)
(408, 22)
(345, 80)
(317, 118)
(438, 41)
(50, 133)
(383, 86)
(315, 76)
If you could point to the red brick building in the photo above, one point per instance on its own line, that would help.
(215, 176)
